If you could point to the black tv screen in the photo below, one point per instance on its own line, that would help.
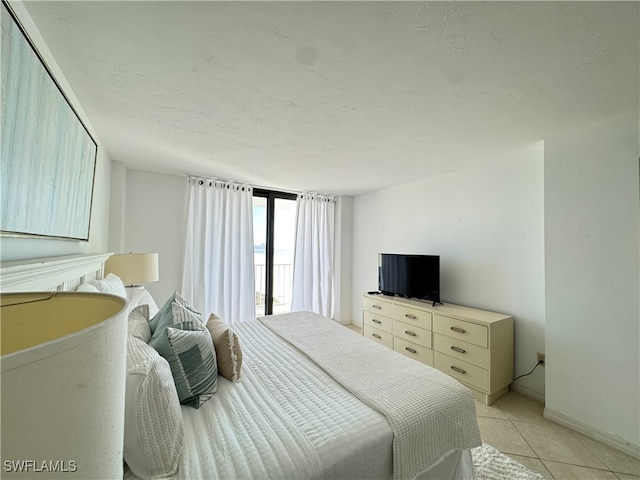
(411, 276)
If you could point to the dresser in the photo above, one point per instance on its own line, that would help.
(474, 346)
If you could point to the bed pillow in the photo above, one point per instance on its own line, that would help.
(188, 348)
(138, 325)
(153, 422)
(227, 346)
(141, 296)
(164, 317)
(109, 284)
(87, 287)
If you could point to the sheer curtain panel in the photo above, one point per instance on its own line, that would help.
(218, 273)
(313, 258)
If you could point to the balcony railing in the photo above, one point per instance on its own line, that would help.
(282, 282)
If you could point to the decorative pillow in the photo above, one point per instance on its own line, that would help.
(141, 296)
(109, 284)
(87, 287)
(227, 346)
(153, 422)
(186, 344)
(139, 323)
(164, 317)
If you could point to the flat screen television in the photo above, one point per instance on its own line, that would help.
(411, 276)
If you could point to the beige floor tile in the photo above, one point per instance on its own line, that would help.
(355, 328)
(565, 471)
(534, 464)
(622, 476)
(502, 435)
(559, 444)
(491, 411)
(617, 461)
(521, 408)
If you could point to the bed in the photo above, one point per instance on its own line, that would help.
(313, 400)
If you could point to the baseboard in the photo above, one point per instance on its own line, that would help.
(526, 391)
(613, 441)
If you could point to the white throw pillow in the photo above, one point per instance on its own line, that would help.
(139, 323)
(87, 287)
(110, 284)
(141, 296)
(153, 423)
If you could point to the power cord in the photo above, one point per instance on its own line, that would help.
(540, 362)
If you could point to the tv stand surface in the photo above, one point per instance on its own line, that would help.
(474, 346)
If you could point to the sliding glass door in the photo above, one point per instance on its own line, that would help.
(274, 217)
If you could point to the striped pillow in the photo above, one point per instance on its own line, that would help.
(138, 325)
(188, 348)
(165, 314)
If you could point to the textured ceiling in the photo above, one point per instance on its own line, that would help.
(338, 97)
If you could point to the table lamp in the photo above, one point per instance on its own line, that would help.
(133, 268)
(63, 361)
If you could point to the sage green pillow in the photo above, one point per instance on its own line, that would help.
(188, 348)
(165, 314)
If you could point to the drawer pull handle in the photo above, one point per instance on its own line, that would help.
(411, 334)
(377, 306)
(458, 349)
(459, 330)
(375, 335)
(412, 317)
(410, 350)
(376, 321)
(456, 369)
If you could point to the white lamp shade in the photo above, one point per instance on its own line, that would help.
(63, 384)
(133, 268)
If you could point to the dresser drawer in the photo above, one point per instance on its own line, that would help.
(413, 316)
(412, 334)
(455, 348)
(412, 350)
(378, 321)
(380, 336)
(463, 371)
(377, 305)
(465, 331)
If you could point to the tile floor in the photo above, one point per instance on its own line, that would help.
(514, 425)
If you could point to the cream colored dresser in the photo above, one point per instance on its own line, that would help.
(474, 346)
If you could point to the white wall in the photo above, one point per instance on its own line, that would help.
(487, 227)
(343, 257)
(593, 280)
(150, 217)
(19, 248)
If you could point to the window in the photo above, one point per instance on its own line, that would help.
(274, 219)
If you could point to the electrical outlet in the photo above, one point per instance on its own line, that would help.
(541, 358)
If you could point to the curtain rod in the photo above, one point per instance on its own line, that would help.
(260, 187)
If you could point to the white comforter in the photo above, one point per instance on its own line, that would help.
(431, 414)
(285, 418)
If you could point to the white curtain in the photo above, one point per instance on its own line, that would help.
(313, 258)
(218, 273)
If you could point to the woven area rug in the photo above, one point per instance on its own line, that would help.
(490, 464)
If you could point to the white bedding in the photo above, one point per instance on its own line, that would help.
(430, 413)
(286, 418)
